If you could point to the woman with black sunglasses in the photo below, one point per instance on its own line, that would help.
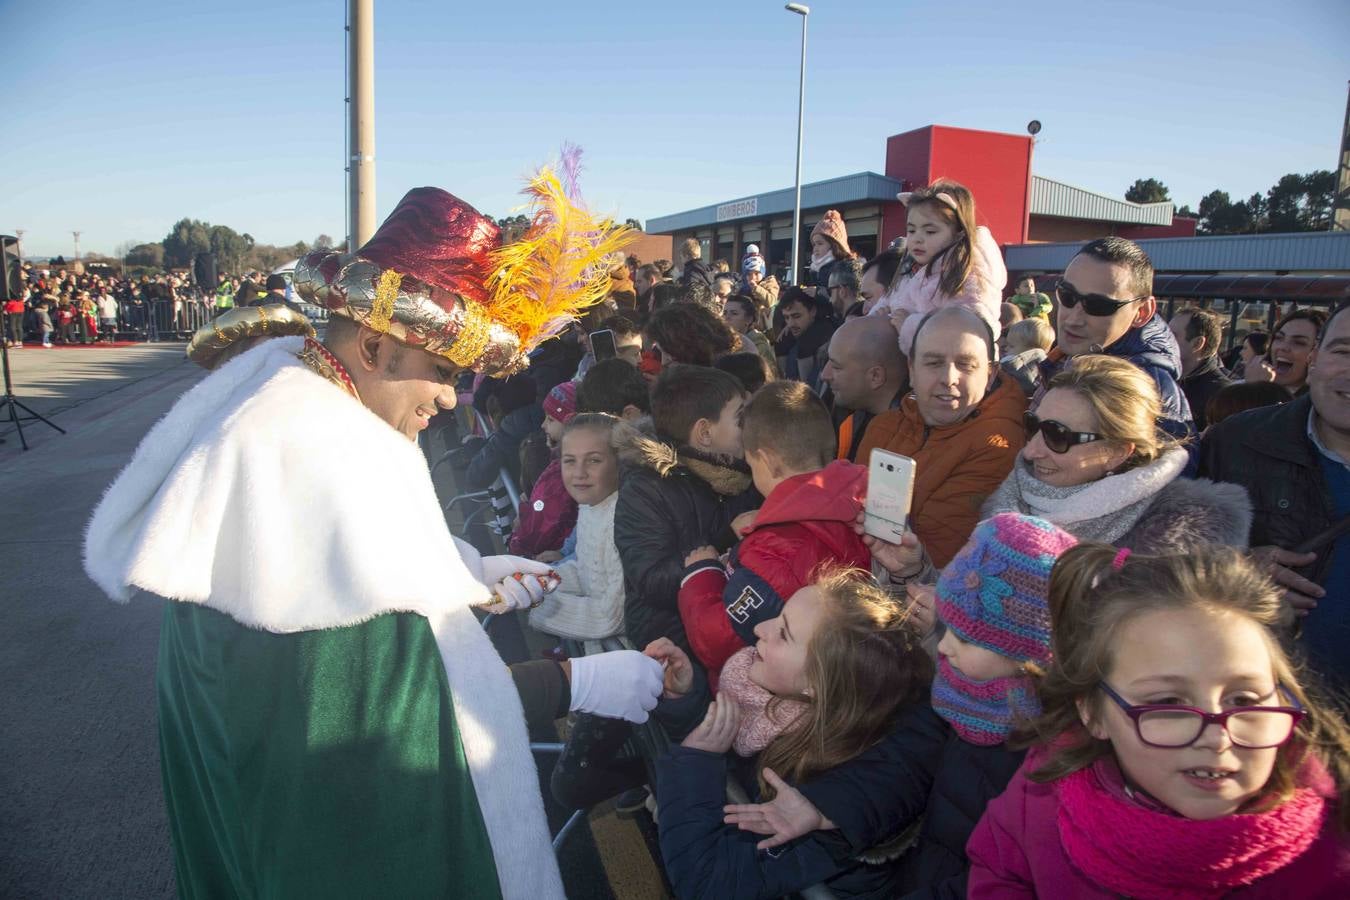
(1097, 464)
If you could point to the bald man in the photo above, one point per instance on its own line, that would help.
(867, 374)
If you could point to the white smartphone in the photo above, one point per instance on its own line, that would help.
(890, 489)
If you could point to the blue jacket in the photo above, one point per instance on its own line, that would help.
(1152, 348)
(871, 798)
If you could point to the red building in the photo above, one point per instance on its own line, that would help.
(1016, 205)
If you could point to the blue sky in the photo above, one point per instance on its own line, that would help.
(121, 118)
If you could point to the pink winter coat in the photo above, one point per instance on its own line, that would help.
(1016, 851)
(982, 292)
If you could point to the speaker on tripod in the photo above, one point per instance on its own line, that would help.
(11, 288)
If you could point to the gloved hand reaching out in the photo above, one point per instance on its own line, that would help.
(516, 582)
(621, 684)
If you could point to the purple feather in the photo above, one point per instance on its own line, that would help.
(571, 171)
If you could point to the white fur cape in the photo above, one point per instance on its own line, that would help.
(271, 495)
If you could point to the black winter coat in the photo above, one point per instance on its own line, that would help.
(1201, 385)
(1267, 451)
(664, 511)
(968, 778)
(696, 270)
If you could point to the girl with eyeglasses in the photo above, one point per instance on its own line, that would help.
(1097, 465)
(1177, 753)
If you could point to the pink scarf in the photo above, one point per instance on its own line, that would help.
(760, 722)
(1153, 853)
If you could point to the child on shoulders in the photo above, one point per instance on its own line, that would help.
(958, 263)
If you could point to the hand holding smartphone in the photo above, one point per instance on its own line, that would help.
(890, 490)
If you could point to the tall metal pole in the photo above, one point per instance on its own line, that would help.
(802, 11)
(361, 126)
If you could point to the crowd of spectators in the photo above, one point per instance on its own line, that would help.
(1095, 491)
(74, 307)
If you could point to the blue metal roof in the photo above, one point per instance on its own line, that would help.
(1312, 251)
(861, 187)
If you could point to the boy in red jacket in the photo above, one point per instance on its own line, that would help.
(811, 502)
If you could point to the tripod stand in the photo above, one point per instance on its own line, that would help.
(10, 406)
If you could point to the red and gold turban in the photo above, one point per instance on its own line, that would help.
(436, 276)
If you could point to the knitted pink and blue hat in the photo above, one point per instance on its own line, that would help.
(995, 591)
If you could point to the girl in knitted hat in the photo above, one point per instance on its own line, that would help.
(956, 261)
(829, 245)
(1179, 753)
(826, 681)
(992, 597)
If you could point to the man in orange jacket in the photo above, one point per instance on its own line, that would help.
(961, 424)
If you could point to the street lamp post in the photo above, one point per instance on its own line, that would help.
(803, 11)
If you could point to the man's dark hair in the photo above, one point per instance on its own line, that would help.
(1242, 396)
(610, 386)
(1203, 323)
(685, 394)
(650, 271)
(887, 263)
(846, 273)
(690, 334)
(984, 331)
(1259, 340)
(746, 304)
(622, 326)
(750, 369)
(1119, 251)
(798, 296)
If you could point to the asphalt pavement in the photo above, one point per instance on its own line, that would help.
(81, 808)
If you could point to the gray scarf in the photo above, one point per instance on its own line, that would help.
(1103, 510)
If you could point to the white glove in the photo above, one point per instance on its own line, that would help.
(621, 684)
(495, 568)
(512, 593)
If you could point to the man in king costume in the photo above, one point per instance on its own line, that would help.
(333, 721)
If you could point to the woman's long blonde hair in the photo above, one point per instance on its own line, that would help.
(1090, 601)
(863, 665)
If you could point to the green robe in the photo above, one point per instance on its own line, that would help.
(315, 764)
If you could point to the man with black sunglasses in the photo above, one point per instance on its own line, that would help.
(1105, 305)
